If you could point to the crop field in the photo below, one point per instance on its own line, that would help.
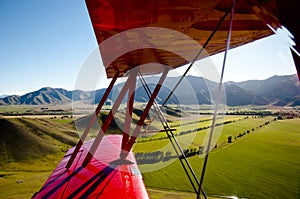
(238, 125)
(262, 164)
(261, 161)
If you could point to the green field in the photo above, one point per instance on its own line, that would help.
(264, 163)
(16, 109)
(239, 125)
(23, 178)
(36, 110)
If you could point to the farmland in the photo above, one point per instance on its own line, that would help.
(262, 164)
(261, 161)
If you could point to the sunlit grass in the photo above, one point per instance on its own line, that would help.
(264, 164)
(261, 164)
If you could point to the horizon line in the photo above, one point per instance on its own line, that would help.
(54, 87)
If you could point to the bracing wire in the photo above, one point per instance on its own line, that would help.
(193, 61)
(177, 148)
(217, 102)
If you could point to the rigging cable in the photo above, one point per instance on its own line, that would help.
(170, 135)
(193, 61)
(217, 102)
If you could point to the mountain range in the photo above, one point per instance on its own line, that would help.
(276, 90)
(2, 96)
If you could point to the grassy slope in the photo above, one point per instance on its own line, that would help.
(32, 173)
(17, 143)
(264, 164)
(30, 150)
(24, 138)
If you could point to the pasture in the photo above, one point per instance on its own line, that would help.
(263, 163)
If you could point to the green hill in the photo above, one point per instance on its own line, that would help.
(29, 151)
(25, 138)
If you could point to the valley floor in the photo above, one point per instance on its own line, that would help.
(261, 163)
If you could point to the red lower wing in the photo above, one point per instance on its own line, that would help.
(104, 177)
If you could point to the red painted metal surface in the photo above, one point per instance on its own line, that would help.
(105, 177)
(129, 109)
(193, 18)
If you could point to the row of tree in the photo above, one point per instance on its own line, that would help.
(230, 138)
(190, 131)
(153, 157)
(160, 156)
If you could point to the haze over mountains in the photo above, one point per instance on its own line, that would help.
(276, 90)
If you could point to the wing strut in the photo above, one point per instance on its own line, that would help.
(217, 102)
(93, 119)
(140, 123)
(108, 120)
(129, 109)
(177, 148)
(127, 142)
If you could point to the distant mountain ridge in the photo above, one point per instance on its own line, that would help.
(276, 90)
(2, 96)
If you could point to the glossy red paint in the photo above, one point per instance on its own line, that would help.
(106, 176)
(193, 18)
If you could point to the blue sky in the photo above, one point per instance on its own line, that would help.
(45, 43)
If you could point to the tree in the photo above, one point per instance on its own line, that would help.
(201, 149)
(229, 139)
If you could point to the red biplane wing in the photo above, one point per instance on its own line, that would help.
(105, 167)
(194, 18)
(104, 177)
